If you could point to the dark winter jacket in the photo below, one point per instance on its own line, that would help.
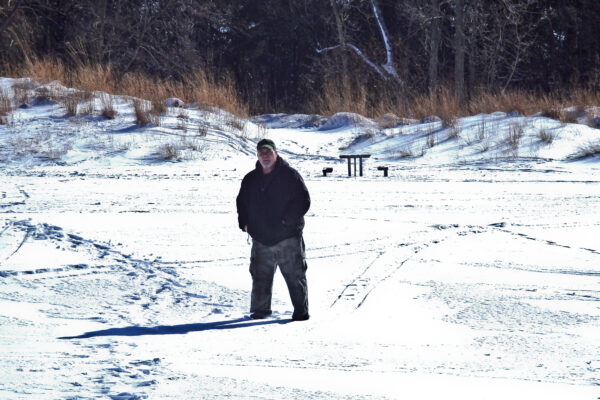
(273, 205)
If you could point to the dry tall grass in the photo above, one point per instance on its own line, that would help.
(341, 96)
(5, 107)
(198, 87)
(108, 109)
(144, 114)
(209, 87)
(337, 96)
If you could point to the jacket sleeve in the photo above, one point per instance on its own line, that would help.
(242, 204)
(299, 201)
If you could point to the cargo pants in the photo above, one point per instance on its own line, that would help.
(289, 256)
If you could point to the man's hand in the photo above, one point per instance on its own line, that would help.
(245, 228)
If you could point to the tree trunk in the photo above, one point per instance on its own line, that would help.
(436, 34)
(100, 43)
(459, 52)
(341, 38)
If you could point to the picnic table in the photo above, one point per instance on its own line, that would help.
(351, 157)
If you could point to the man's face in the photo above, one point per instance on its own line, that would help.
(267, 158)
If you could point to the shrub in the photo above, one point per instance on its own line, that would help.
(44, 95)
(22, 92)
(515, 134)
(453, 132)
(56, 152)
(158, 107)
(43, 145)
(143, 113)
(169, 151)
(193, 144)
(183, 114)
(70, 102)
(552, 113)
(180, 148)
(88, 108)
(430, 140)
(449, 121)
(261, 131)
(202, 130)
(482, 133)
(405, 153)
(5, 107)
(108, 110)
(367, 135)
(235, 122)
(546, 136)
(182, 125)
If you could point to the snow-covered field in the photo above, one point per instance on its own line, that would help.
(471, 272)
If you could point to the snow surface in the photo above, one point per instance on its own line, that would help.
(471, 272)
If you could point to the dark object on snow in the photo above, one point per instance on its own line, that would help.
(289, 255)
(260, 315)
(271, 208)
(327, 170)
(384, 169)
(354, 157)
(303, 317)
(273, 205)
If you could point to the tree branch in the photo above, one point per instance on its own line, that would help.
(360, 54)
(6, 22)
(389, 64)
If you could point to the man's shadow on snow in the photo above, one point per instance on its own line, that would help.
(178, 329)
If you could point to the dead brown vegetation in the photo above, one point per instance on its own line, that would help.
(207, 88)
(108, 109)
(5, 107)
(197, 87)
(338, 96)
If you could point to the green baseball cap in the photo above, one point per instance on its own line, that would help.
(268, 143)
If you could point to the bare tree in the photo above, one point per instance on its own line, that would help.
(386, 70)
(459, 51)
(434, 46)
(339, 24)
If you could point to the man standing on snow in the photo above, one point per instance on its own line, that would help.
(271, 205)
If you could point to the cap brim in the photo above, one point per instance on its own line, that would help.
(266, 146)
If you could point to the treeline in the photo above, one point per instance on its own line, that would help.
(316, 55)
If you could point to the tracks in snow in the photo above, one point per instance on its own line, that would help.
(390, 256)
(391, 259)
